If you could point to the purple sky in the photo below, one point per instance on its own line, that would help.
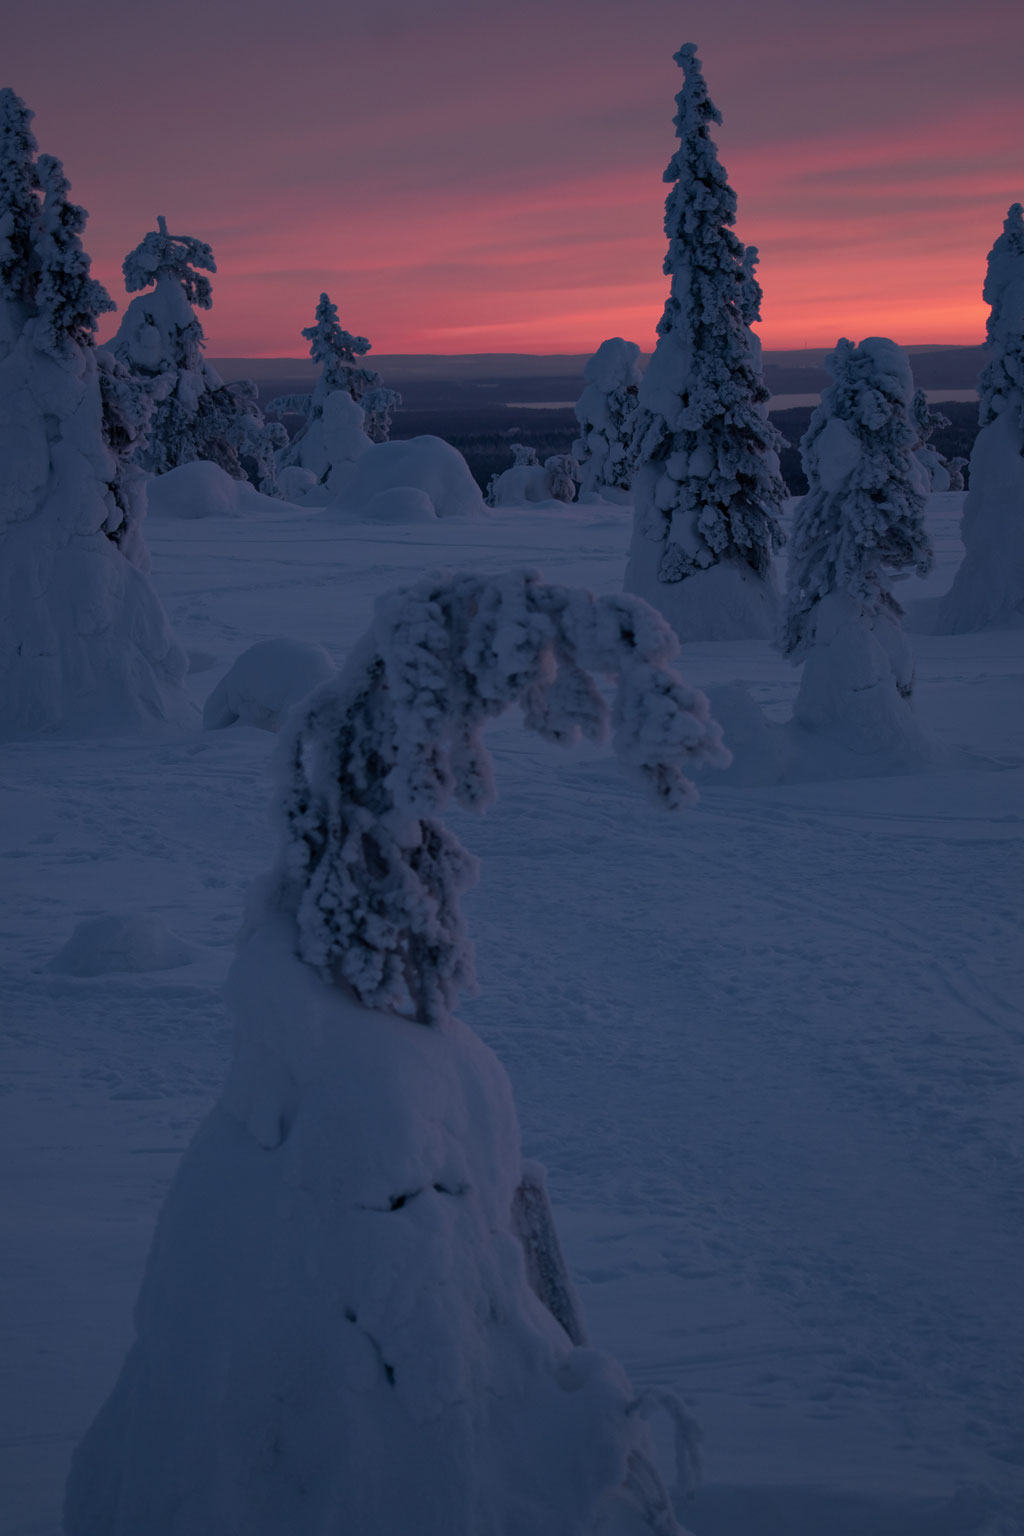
(465, 176)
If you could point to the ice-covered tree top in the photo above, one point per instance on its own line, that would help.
(329, 343)
(369, 869)
(702, 417)
(69, 302)
(1003, 375)
(924, 418)
(161, 255)
(19, 205)
(863, 514)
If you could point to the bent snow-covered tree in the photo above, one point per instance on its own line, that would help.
(707, 488)
(988, 590)
(84, 642)
(355, 1315)
(605, 411)
(160, 340)
(862, 518)
(338, 353)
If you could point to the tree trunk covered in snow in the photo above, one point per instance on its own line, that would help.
(355, 1316)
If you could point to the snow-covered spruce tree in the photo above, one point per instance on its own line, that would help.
(355, 1315)
(706, 487)
(988, 590)
(862, 517)
(338, 353)
(605, 411)
(160, 339)
(930, 459)
(19, 214)
(84, 643)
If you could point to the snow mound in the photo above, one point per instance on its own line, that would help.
(294, 482)
(265, 681)
(203, 489)
(401, 504)
(427, 464)
(339, 1238)
(122, 942)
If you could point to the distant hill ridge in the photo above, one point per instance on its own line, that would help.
(786, 373)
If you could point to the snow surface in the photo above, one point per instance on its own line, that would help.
(770, 1051)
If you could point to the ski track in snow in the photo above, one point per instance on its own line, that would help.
(770, 1050)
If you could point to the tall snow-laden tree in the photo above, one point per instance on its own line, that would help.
(706, 487)
(160, 339)
(605, 411)
(84, 643)
(862, 518)
(19, 217)
(356, 1316)
(988, 590)
(338, 353)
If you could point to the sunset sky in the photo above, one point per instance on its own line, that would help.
(469, 176)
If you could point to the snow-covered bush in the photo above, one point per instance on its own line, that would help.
(930, 459)
(605, 411)
(356, 1316)
(160, 339)
(530, 483)
(560, 477)
(84, 643)
(707, 488)
(427, 465)
(988, 589)
(338, 353)
(862, 518)
(122, 941)
(264, 682)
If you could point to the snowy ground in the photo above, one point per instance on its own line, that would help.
(768, 1050)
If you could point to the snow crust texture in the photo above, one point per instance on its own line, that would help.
(707, 485)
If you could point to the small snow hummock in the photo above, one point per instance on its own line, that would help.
(427, 467)
(606, 412)
(133, 942)
(203, 489)
(988, 590)
(355, 1315)
(707, 487)
(264, 683)
(85, 647)
(862, 518)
